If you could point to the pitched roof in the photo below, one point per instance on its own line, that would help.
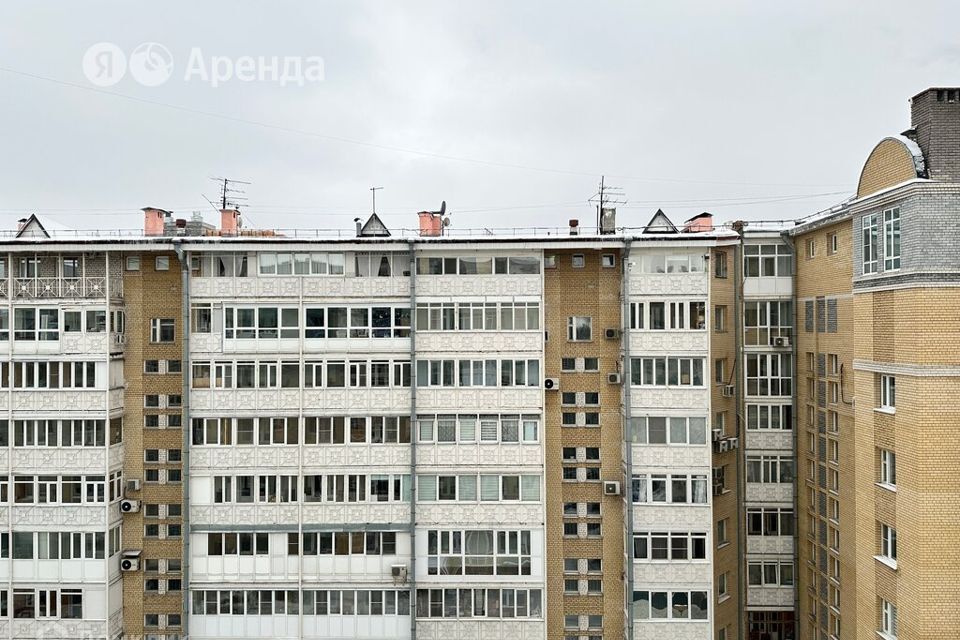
(32, 228)
(374, 228)
(660, 223)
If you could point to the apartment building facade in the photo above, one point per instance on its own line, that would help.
(877, 284)
(367, 437)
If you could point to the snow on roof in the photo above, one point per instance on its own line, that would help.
(918, 162)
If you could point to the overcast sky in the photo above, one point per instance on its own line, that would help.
(510, 111)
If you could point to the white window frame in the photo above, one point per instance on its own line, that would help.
(888, 393)
(888, 469)
(577, 323)
(888, 620)
(870, 229)
(891, 239)
(888, 545)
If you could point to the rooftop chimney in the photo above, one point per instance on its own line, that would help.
(359, 225)
(935, 119)
(700, 222)
(229, 222)
(21, 223)
(431, 224)
(153, 221)
(574, 224)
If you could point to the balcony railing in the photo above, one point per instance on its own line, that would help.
(49, 288)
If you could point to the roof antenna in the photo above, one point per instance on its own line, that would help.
(373, 192)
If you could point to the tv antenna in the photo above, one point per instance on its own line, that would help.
(373, 192)
(230, 196)
(605, 197)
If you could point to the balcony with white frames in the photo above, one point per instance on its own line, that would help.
(767, 287)
(479, 399)
(60, 570)
(62, 460)
(319, 571)
(320, 457)
(215, 401)
(482, 454)
(52, 288)
(502, 515)
(479, 342)
(289, 513)
(63, 400)
(295, 627)
(479, 629)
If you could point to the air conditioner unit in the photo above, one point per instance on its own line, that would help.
(398, 572)
(130, 561)
(780, 341)
(734, 443)
(724, 445)
(717, 434)
(551, 384)
(613, 378)
(133, 484)
(129, 506)
(717, 489)
(728, 391)
(611, 334)
(611, 488)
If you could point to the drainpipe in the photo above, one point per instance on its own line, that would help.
(628, 443)
(184, 370)
(793, 428)
(738, 408)
(412, 526)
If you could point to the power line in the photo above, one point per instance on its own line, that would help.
(373, 145)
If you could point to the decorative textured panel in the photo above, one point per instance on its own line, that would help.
(673, 517)
(656, 398)
(474, 286)
(64, 459)
(85, 343)
(688, 457)
(673, 342)
(65, 400)
(206, 343)
(669, 284)
(770, 596)
(682, 630)
(512, 514)
(773, 545)
(667, 575)
(768, 441)
(58, 629)
(479, 399)
(464, 342)
(473, 454)
(355, 513)
(429, 629)
(66, 516)
(769, 493)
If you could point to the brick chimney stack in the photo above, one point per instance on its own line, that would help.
(935, 118)
(153, 221)
(229, 222)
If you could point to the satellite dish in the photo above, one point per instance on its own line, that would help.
(446, 222)
(443, 207)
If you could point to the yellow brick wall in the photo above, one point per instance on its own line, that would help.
(722, 347)
(591, 291)
(149, 294)
(889, 163)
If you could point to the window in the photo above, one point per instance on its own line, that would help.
(579, 328)
(670, 546)
(888, 393)
(479, 552)
(870, 228)
(723, 532)
(891, 239)
(162, 263)
(670, 605)
(719, 370)
(669, 488)
(720, 318)
(888, 619)
(667, 372)
(607, 260)
(722, 585)
(770, 469)
(766, 320)
(720, 264)
(769, 521)
(769, 374)
(775, 417)
(888, 544)
(161, 330)
(577, 261)
(133, 263)
(770, 574)
(668, 430)
(833, 243)
(833, 362)
(888, 468)
(767, 261)
(811, 248)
